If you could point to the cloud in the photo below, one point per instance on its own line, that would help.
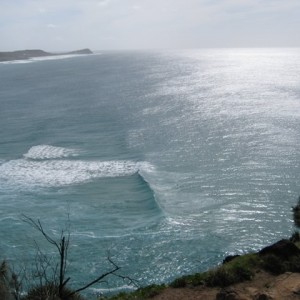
(51, 26)
(103, 2)
(149, 23)
(59, 38)
(42, 10)
(136, 7)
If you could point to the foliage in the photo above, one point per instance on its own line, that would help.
(239, 269)
(10, 287)
(179, 283)
(4, 282)
(140, 294)
(54, 286)
(296, 213)
(235, 270)
(276, 265)
(189, 280)
(295, 238)
(51, 292)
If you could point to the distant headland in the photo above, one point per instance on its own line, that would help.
(27, 54)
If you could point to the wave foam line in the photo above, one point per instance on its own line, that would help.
(51, 173)
(44, 58)
(49, 152)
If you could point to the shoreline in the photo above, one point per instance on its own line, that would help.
(37, 53)
(273, 273)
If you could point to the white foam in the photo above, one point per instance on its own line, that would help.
(49, 152)
(50, 166)
(53, 173)
(116, 289)
(56, 57)
(43, 58)
(145, 166)
(10, 62)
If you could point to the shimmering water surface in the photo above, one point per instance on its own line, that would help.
(169, 160)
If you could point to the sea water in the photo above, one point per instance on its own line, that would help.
(164, 161)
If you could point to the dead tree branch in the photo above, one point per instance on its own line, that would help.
(63, 247)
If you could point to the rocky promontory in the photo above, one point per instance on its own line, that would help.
(27, 54)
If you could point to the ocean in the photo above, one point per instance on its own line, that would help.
(166, 161)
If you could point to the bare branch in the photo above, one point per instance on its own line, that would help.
(104, 275)
(97, 280)
(62, 248)
(43, 263)
(38, 226)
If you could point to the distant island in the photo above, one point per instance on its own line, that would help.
(27, 54)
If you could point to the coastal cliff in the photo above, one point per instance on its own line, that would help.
(272, 273)
(27, 54)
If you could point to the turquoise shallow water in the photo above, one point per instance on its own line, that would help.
(169, 160)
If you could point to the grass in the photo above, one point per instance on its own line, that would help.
(50, 292)
(140, 294)
(239, 269)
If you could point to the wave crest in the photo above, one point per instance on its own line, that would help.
(49, 152)
(50, 166)
(51, 173)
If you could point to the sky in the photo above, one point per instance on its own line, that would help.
(63, 25)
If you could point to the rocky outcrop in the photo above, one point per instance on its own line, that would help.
(22, 54)
(229, 258)
(82, 51)
(283, 249)
(27, 54)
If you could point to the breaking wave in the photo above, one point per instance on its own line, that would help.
(49, 152)
(49, 166)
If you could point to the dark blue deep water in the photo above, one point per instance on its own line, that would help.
(168, 160)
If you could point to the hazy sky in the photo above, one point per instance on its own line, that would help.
(55, 25)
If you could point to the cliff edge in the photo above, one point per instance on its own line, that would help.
(272, 273)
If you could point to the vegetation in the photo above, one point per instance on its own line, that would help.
(140, 294)
(9, 285)
(239, 269)
(296, 213)
(281, 257)
(51, 292)
(50, 276)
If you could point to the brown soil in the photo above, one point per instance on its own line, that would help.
(263, 286)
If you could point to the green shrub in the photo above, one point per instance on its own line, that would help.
(50, 292)
(140, 294)
(293, 264)
(273, 264)
(220, 277)
(295, 237)
(296, 213)
(4, 285)
(4, 292)
(179, 283)
(240, 269)
(151, 291)
(192, 280)
(9, 283)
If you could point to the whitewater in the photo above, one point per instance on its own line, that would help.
(169, 160)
